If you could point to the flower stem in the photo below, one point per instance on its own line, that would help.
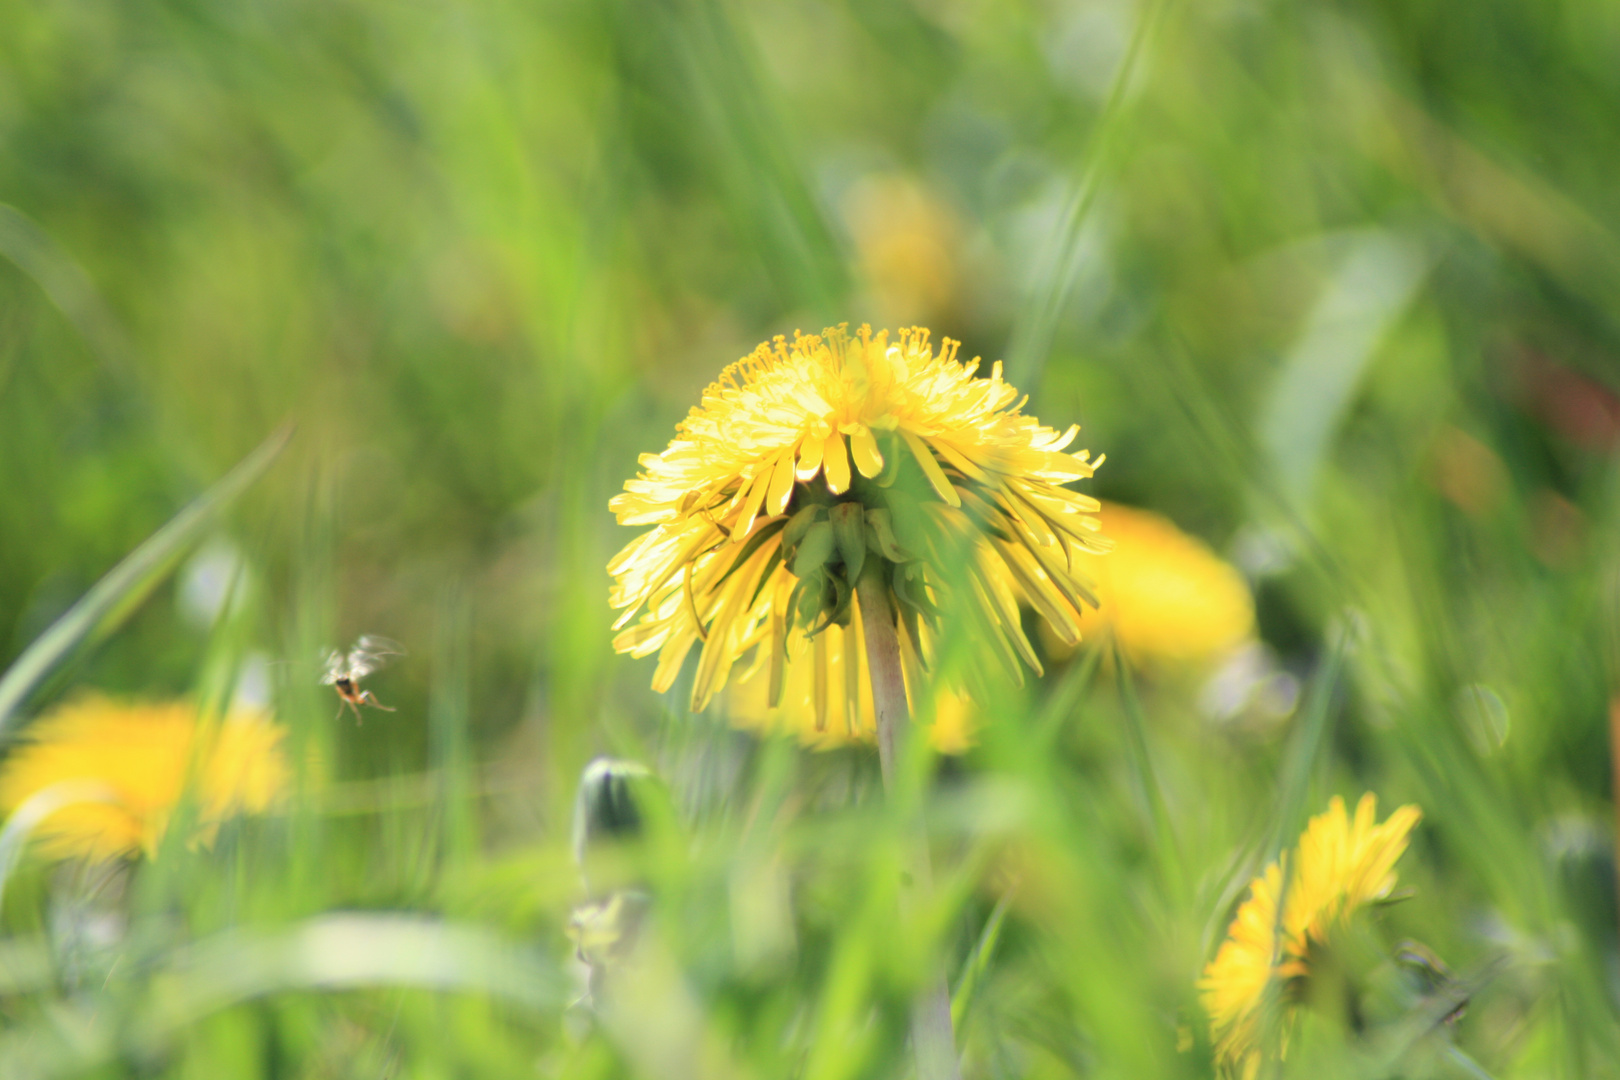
(932, 1041)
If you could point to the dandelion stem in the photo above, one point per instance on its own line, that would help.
(932, 1040)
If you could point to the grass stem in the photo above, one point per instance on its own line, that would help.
(932, 1039)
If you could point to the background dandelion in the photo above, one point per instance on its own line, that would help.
(149, 759)
(1331, 284)
(1294, 911)
(1165, 596)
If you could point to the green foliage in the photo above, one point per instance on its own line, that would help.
(1333, 285)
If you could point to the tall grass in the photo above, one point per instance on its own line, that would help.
(1333, 285)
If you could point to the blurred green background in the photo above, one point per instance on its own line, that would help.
(1334, 285)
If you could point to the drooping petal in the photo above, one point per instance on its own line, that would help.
(931, 469)
(810, 457)
(781, 485)
(863, 448)
(835, 462)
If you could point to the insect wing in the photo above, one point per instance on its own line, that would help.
(371, 652)
(336, 667)
(377, 645)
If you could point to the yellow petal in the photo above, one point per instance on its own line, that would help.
(781, 485)
(836, 461)
(750, 507)
(864, 448)
(930, 468)
(959, 459)
(810, 458)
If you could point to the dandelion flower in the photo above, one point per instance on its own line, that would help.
(1340, 866)
(1165, 595)
(146, 757)
(811, 461)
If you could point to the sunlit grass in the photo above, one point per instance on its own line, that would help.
(1331, 286)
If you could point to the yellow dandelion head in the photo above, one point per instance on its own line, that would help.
(1343, 864)
(142, 759)
(1165, 595)
(1236, 981)
(814, 461)
(1340, 865)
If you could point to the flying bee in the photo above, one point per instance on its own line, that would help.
(344, 672)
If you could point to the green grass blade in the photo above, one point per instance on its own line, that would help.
(979, 961)
(1141, 754)
(1037, 322)
(113, 598)
(349, 951)
(1381, 272)
(66, 284)
(1060, 706)
(1293, 786)
(329, 953)
(756, 165)
(35, 809)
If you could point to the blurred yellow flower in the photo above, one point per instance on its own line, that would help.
(906, 240)
(1339, 866)
(144, 758)
(1165, 595)
(807, 457)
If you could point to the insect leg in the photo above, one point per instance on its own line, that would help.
(371, 699)
(346, 703)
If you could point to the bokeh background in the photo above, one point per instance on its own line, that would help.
(1333, 285)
